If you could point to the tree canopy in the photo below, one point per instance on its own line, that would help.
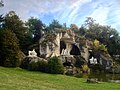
(105, 34)
(35, 27)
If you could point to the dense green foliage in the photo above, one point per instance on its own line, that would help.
(53, 25)
(9, 52)
(41, 66)
(12, 22)
(55, 66)
(35, 27)
(79, 61)
(34, 64)
(105, 34)
(100, 47)
(25, 63)
(35, 31)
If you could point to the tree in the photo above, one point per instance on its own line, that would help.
(53, 25)
(9, 52)
(89, 22)
(13, 23)
(82, 31)
(35, 27)
(105, 34)
(74, 27)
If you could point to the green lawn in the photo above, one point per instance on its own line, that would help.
(19, 79)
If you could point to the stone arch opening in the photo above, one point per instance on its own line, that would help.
(75, 50)
(62, 46)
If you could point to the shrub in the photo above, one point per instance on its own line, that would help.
(25, 63)
(55, 66)
(33, 66)
(79, 61)
(11, 61)
(85, 68)
(103, 48)
(42, 66)
(96, 43)
(99, 46)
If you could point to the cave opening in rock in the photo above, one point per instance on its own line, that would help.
(75, 50)
(62, 46)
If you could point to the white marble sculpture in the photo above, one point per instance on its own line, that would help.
(32, 53)
(62, 53)
(93, 60)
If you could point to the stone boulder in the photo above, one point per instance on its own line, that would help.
(92, 80)
(69, 72)
(67, 60)
(104, 60)
(79, 61)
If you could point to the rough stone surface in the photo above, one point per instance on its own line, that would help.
(92, 80)
(50, 44)
(70, 49)
(69, 72)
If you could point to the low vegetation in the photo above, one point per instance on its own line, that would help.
(53, 65)
(19, 79)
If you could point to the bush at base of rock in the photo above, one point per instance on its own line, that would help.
(55, 66)
(85, 68)
(25, 63)
(34, 64)
(14, 62)
(38, 66)
(43, 66)
(79, 61)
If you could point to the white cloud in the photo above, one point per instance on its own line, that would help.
(100, 14)
(33, 7)
(72, 11)
(69, 11)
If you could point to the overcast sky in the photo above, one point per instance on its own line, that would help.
(105, 12)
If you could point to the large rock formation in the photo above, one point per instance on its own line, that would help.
(58, 43)
(66, 45)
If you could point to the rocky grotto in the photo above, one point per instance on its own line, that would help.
(73, 50)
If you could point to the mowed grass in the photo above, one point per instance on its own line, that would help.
(19, 79)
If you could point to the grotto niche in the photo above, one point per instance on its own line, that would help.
(75, 50)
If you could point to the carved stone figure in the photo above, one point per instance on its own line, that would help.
(32, 53)
(93, 60)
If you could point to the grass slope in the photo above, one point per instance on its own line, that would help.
(19, 79)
